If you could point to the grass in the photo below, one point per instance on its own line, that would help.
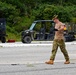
(13, 36)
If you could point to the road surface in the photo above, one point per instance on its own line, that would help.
(29, 59)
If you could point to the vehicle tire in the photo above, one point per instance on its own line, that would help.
(26, 39)
(3, 39)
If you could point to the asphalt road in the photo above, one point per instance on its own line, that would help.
(29, 59)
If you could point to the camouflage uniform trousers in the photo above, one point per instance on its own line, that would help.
(61, 44)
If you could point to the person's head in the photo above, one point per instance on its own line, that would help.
(55, 18)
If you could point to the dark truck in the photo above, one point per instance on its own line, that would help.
(2, 30)
(38, 31)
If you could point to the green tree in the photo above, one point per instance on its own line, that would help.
(47, 12)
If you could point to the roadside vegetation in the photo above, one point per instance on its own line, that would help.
(20, 14)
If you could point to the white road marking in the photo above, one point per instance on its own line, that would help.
(27, 45)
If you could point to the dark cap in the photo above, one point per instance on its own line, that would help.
(55, 17)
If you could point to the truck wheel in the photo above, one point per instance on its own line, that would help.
(3, 39)
(26, 39)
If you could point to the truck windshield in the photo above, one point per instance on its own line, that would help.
(32, 26)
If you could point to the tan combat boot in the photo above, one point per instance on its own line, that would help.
(50, 62)
(67, 62)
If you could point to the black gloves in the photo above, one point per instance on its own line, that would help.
(55, 29)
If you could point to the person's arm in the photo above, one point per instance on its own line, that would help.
(56, 28)
(61, 28)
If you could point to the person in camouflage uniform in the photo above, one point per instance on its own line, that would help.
(58, 41)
